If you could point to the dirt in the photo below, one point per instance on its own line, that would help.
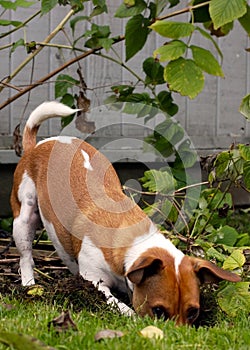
(56, 283)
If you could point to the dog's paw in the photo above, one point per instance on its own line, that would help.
(126, 310)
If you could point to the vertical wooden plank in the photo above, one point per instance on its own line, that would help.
(233, 87)
(4, 72)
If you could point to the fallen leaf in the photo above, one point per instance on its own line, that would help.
(108, 334)
(63, 322)
(152, 332)
(35, 291)
(7, 306)
(17, 140)
(22, 342)
(82, 123)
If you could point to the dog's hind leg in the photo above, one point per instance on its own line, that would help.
(24, 228)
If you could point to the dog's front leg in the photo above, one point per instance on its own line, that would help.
(112, 300)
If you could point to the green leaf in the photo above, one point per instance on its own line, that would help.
(136, 34)
(170, 130)
(245, 106)
(235, 261)
(201, 14)
(123, 90)
(24, 3)
(10, 5)
(225, 11)
(158, 181)
(235, 298)
(5, 22)
(160, 6)
(154, 71)
(106, 43)
(166, 103)
(19, 42)
(169, 210)
(171, 51)
(227, 235)
(209, 37)
(244, 151)
(216, 198)
(126, 10)
(173, 2)
(243, 240)
(245, 20)
(6, 224)
(63, 83)
(22, 342)
(97, 11)
(174, 30)
(185, 77)
(212, 253)
(222, 163)
(206, 61)
(246, 174)
(47, 5)
(75, 20)
(186, 157)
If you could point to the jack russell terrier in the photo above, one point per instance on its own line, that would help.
(97, 230)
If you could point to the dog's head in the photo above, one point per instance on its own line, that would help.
(164, 290)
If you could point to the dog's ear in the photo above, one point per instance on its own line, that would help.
(144, 267)
(208, 272)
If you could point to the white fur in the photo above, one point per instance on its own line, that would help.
(93, 267)
(86, 163)
(24, 227)
(62, 139)
(151, 240)
(48, 110)
(66, 258)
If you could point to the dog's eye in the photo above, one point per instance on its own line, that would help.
(192, 314)
(160, 312)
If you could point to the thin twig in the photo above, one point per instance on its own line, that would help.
(182, 11)
(51, 74)
(87, 53)
(42, 273)
(20, 26)
(36, 52)
(11, 86)
(9, 261)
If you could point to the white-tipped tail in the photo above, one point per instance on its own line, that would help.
(48, 110)
(43, 112)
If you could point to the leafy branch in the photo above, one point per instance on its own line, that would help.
(36, 51)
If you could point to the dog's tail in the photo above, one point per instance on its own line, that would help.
(44, 111)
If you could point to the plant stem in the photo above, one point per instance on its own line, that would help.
(36, 52)
(121, 64)
(51, 74)
(182, 11)
(217, 206)
(72, 61)
(21, 25)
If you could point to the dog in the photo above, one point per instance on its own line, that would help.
(97, 230)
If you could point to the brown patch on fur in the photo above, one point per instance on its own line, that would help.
(29, 138)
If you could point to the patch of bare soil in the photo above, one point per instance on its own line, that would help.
(56, 283)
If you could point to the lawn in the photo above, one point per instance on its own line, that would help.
(32, 317)
(29, 312)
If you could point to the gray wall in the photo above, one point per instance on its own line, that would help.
(212, 120)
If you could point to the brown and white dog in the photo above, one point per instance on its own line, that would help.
(97, 230)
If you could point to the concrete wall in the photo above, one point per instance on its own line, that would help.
(212, 120)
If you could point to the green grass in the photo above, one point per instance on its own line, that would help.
(32, 317)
